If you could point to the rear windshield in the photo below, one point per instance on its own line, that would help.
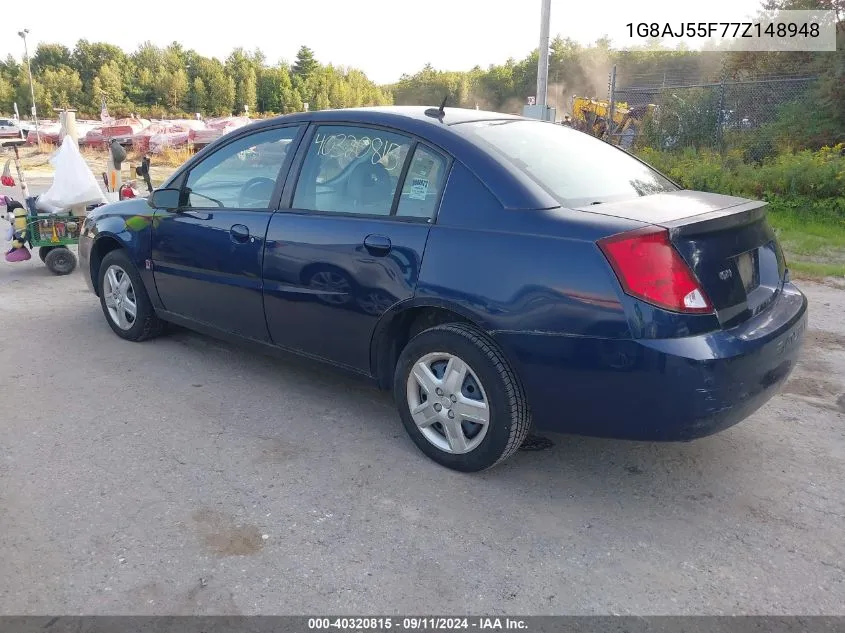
(575, 168)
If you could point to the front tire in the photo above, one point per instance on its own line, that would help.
(459, 399)
(124, 299)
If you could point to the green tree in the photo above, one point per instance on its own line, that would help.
(88, 58)
(7, 94)
(295, 103)
(51, 56)
(146, 89)
(23, 94)
(242, 69)
(109, 83)
(305, 64)
(175, 57)
(220, 88)
(9, 67)
(199, 95)
(289, 98)
(175, 85)
(247, 91)
(193, 63)
(62, 88)
(339, 91)
(268, 90)
(149, 56)
(24, 99)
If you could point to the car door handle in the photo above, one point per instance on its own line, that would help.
(239, 233)
(377, 244)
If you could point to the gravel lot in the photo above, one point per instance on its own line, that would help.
(185, 476)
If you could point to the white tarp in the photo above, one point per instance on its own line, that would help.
(73, 184)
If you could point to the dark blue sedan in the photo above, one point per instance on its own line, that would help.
(497, 273)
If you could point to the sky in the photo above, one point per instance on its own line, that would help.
(384, 38)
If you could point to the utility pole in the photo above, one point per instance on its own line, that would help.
(23, 35)
(543, 65)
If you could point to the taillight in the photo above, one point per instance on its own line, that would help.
(649, 268)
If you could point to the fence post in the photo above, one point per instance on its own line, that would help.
(720, 120)
(611, 101)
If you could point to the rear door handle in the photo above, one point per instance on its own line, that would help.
(239, 233)
(377, 244)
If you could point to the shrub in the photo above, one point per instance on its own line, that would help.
(803, 179)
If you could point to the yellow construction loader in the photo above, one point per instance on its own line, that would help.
(593, 116)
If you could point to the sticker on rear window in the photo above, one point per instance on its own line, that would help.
(419, 189)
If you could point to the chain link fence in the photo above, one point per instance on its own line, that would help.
(752, 114)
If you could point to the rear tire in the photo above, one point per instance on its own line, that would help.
(470, 381)
(43, 250)
(60, 260)
(122, 292)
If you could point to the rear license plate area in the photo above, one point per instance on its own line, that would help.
(748, 267)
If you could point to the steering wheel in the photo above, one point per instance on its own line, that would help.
(255, 184)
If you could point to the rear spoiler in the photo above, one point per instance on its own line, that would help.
(724, 219)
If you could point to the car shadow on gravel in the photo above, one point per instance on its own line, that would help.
(569, 458)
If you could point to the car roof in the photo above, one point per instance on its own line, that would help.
(425, 114)
(512, 187)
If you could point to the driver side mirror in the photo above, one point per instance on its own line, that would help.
(166, 199)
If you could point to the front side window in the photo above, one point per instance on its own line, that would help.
(575, 168)
(241, 175)
(351, 170)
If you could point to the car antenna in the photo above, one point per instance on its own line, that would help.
(438, 113)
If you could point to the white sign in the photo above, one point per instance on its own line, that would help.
(419, 189)
(532, 100)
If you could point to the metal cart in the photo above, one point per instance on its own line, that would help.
(51, 233)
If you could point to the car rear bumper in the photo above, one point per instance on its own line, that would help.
(659, 389)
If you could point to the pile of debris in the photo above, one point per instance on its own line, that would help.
(215, 128)
(163, 134)
(144, 135)
(122, 130)
(51, 131)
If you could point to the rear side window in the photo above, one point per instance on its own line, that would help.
(573, 167)
(423, 184)
(352, 170)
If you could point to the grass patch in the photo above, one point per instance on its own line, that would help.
(814, 246)
(172, 156)
(815, 270)
(804, 191)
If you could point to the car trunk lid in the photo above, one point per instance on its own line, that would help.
(726, 241)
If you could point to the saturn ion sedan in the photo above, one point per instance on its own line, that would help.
(498, 274)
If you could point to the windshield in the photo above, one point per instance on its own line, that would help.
(575, 168)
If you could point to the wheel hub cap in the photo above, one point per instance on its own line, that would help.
(120, 297)
(448, 403)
